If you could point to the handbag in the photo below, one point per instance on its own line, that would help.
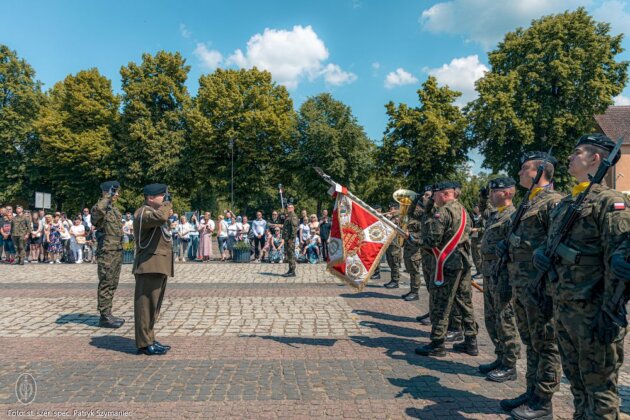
(80, 240)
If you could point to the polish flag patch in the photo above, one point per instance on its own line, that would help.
(619, 206)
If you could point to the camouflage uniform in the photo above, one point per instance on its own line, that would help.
(393, 256)
(289, 231)
(456, 289)
(535, 327)
(475, 240)
(412, 253)
(498, 314)
(583, 286)
(20, 227)
(108, 222)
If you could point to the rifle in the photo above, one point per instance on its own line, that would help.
(571, 216)
(522, 208)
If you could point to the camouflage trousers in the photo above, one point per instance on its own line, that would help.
(591, 367)
(475, 248)
(289, 253)
(455, 292)
(20, 246)
(109, 263)
(500, 323)
(393, 261)
(538, 333)
(428, 267)
(412, 266)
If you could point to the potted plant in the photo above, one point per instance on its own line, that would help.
(127, 253)
(242, 252)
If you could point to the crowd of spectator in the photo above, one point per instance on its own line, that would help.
(56, 238)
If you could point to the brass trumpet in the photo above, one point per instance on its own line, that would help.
(404, 198)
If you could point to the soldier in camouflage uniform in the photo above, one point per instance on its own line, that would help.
(289, 231)
(585, 283)
(498, 309)
(447, 235)
(427, 258)
(534, 324)
(107, 220)
(393, 251)
(21, 226)
(412, 254)
(475, 238)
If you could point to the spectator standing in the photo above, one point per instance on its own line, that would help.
(276, 221)
(183, 232)
(86, 216)
(194, 238)
(9, 248)
(36, 238)
(222, 236)
(259, 227)
(54, 227)
(233, 233)
(77, 240)
(265, 253)
(174, 223)
(324, 230)
(20, 231)
(206, 228)
(245, 230)
(304, 232)
(128, 228)
(65, 237)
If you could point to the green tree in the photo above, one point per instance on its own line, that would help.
(154, 132)
(76, 137)
(545, 85)
(423, 144)
(331, 138)
(20, 100)
(245, 113)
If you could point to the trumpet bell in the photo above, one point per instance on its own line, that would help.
(404, 197)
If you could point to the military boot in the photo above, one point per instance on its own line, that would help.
(118, 320)
(489, 367)
(21, 261)
(452, 335)
(107, 321)
(289, 273)
(424, 319)
(512, 403)
(469, 346)
(432, 349)
(502, 374)
(391, 285)
(411, 296)
(539, 408)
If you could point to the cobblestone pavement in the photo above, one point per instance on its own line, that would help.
(246, 343)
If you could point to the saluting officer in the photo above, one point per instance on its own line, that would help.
(109, 235)
(587, 266)
(289, 231)
(152, 264)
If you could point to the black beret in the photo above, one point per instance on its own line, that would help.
(393, 204)
(445, 185)
(105, 186)
(377, 207)
(154, 189)
(601, 141)
(498, 183)
(536, 155)
(427, 188)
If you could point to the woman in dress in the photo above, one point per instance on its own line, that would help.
(277, 247)
(36, 238)
(205, 229)
(53, 236)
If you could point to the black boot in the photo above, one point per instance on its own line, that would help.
(432, 349)
(118, 320)
(391, 285)
(424, 319)
(489, 367)
(107, 321)
(289, 273)
(469, 346)
(452, 336)
(411, 296)
(502, 374)
(536, 408)
(512, 403)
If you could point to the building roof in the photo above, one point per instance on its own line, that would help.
(615, 122)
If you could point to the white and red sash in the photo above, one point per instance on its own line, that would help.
(442, 255)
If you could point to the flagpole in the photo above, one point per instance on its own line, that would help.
(370, 210)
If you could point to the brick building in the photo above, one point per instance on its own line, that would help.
(614, 123)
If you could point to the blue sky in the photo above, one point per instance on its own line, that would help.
(364, 52)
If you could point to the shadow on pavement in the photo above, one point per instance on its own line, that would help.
(386, 317)
(292, 341)
(85, 319)
(448, 402)
(395, 329)
(369, 295)
(115, 343)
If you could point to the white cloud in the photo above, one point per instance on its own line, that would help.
(210, 59)
(333, 75)
(400, 77)
(614, 12)
(486, 21)
(290, 56)
(376, 66)
(184, 31)
(622, 100)
(460, 74)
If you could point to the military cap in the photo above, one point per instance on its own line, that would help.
(393, 205)
(498, 183)
(154, 189)
(377, 207)
(107, 185)
(445, 185)
(427, 188)
(537, 155)
(601, 141)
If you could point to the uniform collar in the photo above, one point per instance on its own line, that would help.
(579, 188)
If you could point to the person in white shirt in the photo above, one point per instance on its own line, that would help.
(259, 226)
(222, 237)
(77, 240)
(183, 231)
(304, 232)
(311, 250)
(205, 229)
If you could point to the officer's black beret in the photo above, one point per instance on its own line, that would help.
(445, 185)
(427, 188)
(154, 189)
(498, 183)
(601, 141)
(105, 186)
(536, 155)
(393, 205)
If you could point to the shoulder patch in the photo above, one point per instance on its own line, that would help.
(619, 205)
